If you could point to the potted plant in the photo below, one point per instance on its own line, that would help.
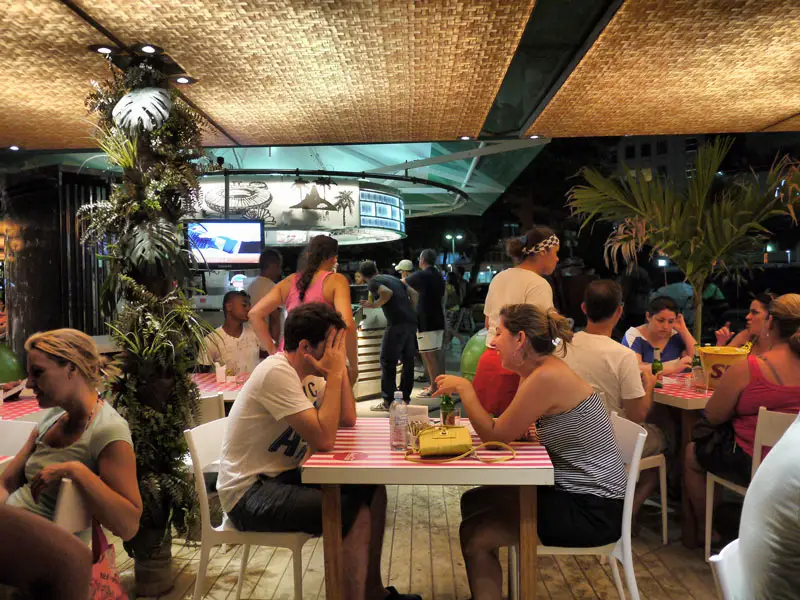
(153, 138)
(448, 411)
(705, 227)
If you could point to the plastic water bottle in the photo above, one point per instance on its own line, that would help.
(398, 423)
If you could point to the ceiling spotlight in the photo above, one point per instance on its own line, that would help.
(465, 138)
(182, 80)
(147, 49)
(103, 49)
(185, 80)
(13, 148)
(534, 137)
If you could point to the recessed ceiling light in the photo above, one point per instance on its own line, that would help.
(147, 49)
(182, 80)
(465, 138)
(13, 148)
(104, 50)
(534, 137)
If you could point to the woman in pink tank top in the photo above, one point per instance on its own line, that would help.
(316, 282)
(772, 381)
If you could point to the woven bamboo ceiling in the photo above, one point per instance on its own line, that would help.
(274, 72)
(684, 67)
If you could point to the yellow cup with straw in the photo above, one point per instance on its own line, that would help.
(718, 359)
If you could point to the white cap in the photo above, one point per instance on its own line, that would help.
(404, 265)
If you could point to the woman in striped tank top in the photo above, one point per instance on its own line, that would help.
(584, 508)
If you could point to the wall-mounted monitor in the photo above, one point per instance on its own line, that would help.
(225, 244)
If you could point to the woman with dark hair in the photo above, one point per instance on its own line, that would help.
(756, 333)
(665, 332)
(771, 380)
(584, 507)
(535, 254)
(316, 282)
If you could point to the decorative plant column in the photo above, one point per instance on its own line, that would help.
(153, 138)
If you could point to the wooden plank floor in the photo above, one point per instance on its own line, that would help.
(421, 553)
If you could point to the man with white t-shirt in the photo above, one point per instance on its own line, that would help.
(293, 404)
(235, 344)
(612, 369)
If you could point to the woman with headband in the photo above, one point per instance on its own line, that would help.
(535, 254)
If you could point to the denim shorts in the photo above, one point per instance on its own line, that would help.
(284, 503)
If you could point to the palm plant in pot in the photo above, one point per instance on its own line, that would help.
(705, 227)
(154, 142)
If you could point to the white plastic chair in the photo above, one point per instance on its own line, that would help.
(630, 441)
(729, 574)
(71, 514)
(770, 428)
(211, 408)
(205, 444)
(659, 462)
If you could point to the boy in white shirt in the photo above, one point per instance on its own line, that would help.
(284, 411)
(234, 344)
(612, 369)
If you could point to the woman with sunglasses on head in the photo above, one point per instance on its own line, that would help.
(584, 507)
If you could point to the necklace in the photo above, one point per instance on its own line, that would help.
(91, 415)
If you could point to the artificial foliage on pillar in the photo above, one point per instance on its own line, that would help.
(155, 139)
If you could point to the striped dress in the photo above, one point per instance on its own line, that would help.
(583, 450)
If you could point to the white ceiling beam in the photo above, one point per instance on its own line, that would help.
(491, 148)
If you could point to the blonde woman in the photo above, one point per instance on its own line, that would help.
(81, 437)
(584, 508)
(535, 254)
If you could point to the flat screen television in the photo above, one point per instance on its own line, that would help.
(225, 244)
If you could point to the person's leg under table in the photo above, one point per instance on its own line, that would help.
(332, 542)
(528, 542)
(407, 352)
(388, 359)
(688, 521)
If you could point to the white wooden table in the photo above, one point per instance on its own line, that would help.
(690, 401)
(362, 456)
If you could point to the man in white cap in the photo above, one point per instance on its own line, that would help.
(405, 267)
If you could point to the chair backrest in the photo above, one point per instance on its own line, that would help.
(630, 442)
(72, 513)
(211, 408)
(770, 428)
(205, 446)
(13, 435)
(729, 573)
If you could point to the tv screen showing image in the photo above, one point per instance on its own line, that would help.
(220, 243)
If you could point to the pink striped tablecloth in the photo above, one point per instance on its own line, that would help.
(362, 456)
(18, 408)
(207, 382)
(682, 396)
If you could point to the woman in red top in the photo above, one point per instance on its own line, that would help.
(771, 380)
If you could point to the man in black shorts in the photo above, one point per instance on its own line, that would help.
(293, 403)
(399, 339)
(428, 281)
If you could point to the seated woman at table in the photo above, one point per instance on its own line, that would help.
(316, 281)
(771, 380)
(80, 437)
(666, 331)
(585, 506)
(755, 335)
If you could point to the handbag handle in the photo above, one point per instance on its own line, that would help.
(473, 451)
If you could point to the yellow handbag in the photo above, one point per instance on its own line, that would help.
(453, 442)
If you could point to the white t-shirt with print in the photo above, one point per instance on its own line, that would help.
(240, 354)
(606, 365)
(515, 286)
(257, 439)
